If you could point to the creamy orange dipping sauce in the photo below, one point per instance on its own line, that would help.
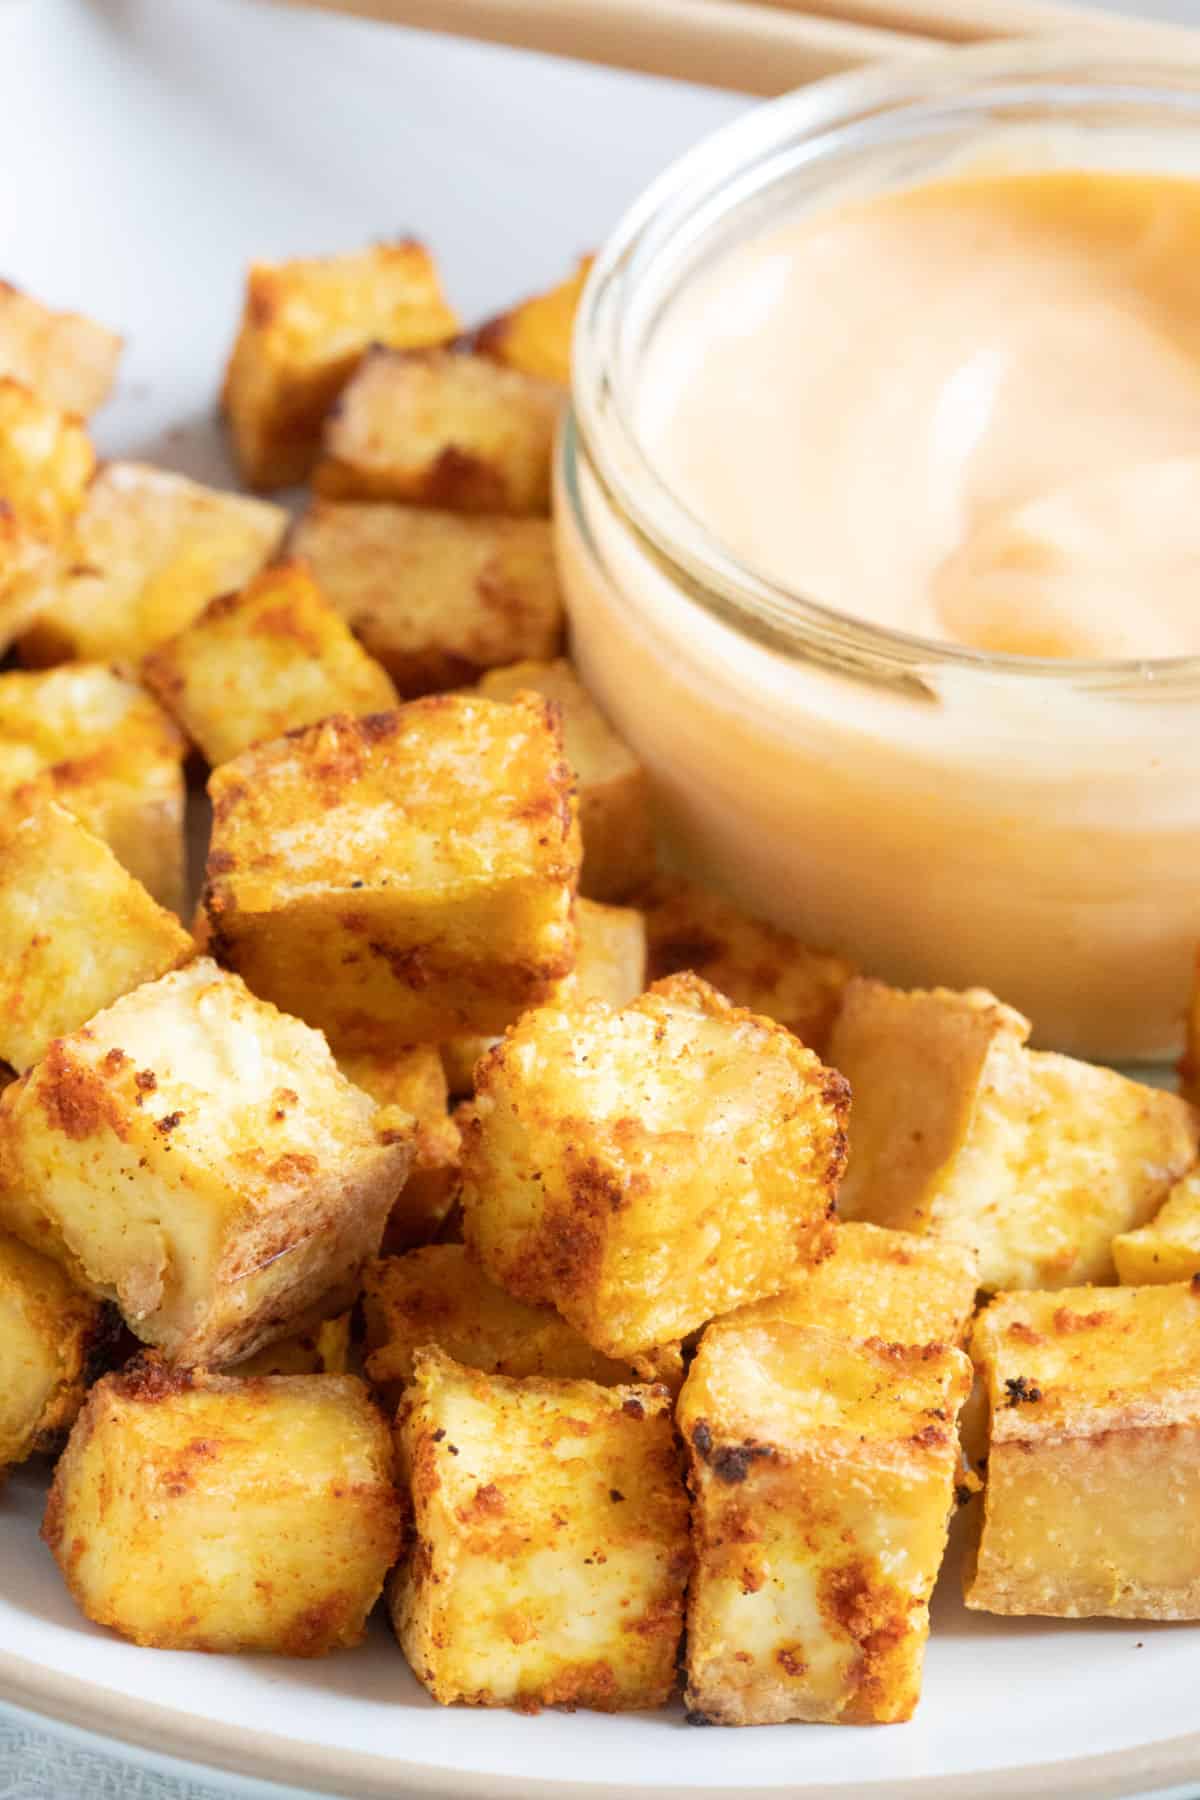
(968, 411)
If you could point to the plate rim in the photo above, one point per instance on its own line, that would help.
(1159, 1766)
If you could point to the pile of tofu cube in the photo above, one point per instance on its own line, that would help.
(459, 1206)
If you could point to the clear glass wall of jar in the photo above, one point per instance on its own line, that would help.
(942, 815)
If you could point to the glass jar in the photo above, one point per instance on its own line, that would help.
(940, 814)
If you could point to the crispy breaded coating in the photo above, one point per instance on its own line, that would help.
(198, 1157)
(441, 428)
(753, 963)
(535, 335)
(76, 931)
(1093, 1468)
(305, 326)
(610, 965)
(46, 462)
(413, 1081)
(47, 1331)
(822, 1475)
(437, 597)
(102, 747)
(403, 878)
(614, 793)
(193, 1511)
(437, 1295)
(1032, 1160)
(143, 554)
(551, 1553)
(646, 1170)
(68, 360)
(891, 1285)
(272, 658)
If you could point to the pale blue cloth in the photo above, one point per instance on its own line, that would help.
(36, 1765)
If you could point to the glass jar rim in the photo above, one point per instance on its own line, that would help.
(705, 186)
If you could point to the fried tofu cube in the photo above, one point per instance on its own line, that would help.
(47, 1331)
(193, 1511)
(535, 336)
(267, 660)
(614, 792)
(1092, 1505)
(102, 747)
(751, 962)
(142, 556)
(403, 878)
(436, 597)
(68, 360)
(1168, 1249)
(551, 1549)
(304, 329)
(46, 462)
(891, 1285)
(822, 1474)
(198, 1157)
(1032, 1160)
(413, 1081)
(324, 1350)
(437, 1295)
(441, 428)
(648, 1169)
(610, 965)
(76, 931)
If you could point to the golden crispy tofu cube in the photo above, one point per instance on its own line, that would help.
(46, 462)
(193, 1511)
(267, 660)
(437, 1295)
(535, 336)
(614, 793)
(304, 329)
(441, 428)
(753, 963)
(823, 1474)
(97, 743)
(437, 597)
(403, 878)
(1168, 1249)
(1092, 1505)
(413, 1080)
(646, 1170)
(69, 361)
(610, 965)
(198, 1157)
(1034, 1161)
(47, 1332)
(144, 553)
(890, 1285)
(551, 1549)
(325, 1350)
(76, 931)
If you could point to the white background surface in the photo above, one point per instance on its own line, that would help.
(149, 148)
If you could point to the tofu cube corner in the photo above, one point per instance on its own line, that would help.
(822, 1475)
(76, 931)
(68, 360)
(1092, 1503)
(535, 335)
(270, 659)
(1168, 1248)
(550, 1540)
(48, 1331)
(196, 1511)
(646, 1170)
(1034, 1161)
(197, 1156)
(403, 878)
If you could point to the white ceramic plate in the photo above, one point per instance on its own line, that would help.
(150, 147)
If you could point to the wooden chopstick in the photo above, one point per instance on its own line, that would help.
(745, 45)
